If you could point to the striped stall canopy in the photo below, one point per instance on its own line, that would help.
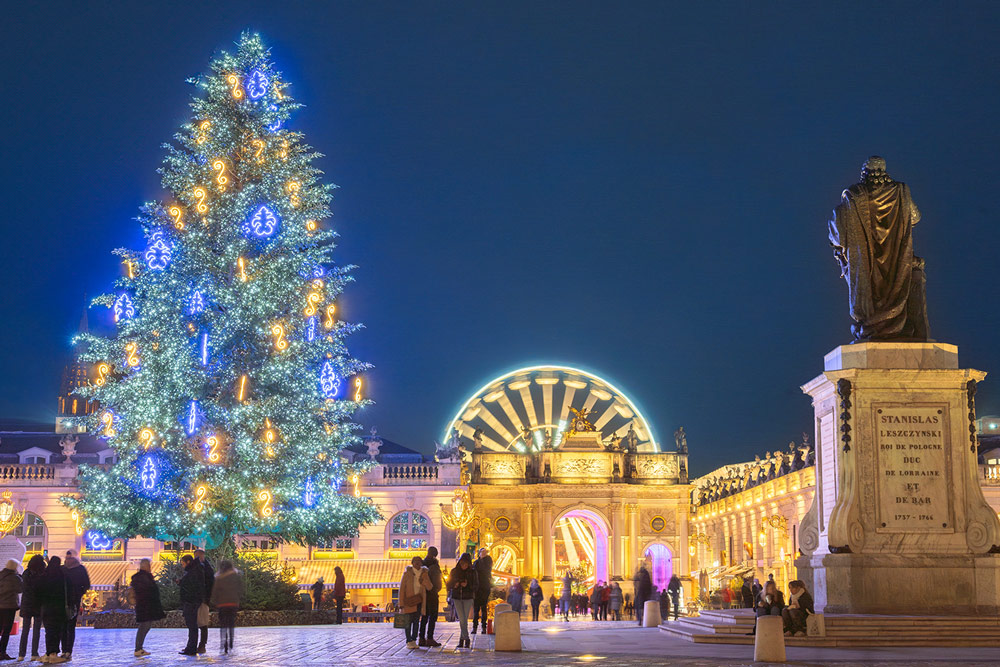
(105, 574)
(358, 573)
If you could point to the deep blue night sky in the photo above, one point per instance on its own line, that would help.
(640, 189)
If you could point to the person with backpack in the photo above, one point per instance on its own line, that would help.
(146, 599)
(192, 590)
(31, 608)
(10, 588)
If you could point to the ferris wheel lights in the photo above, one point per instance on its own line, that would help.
(544, 381)
(624, 411)
(575, 384)
(494, 396)
(518, 386)
(600, 394)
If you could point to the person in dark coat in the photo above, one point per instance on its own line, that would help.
(800, 605)
(147, 603)
(317, 594)
(665, 604)
(78, 583)
(516, 596)
(192, 586)
(535, 595)
(484, 577)
(643, 590)
(339, 592)
(674, 588)
(10, 588)
(462, 586)
(199, 555)
(431, 607)
(31, 608)
(227, 592)
(746, 594)
(52, 594)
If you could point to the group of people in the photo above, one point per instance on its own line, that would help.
(200, 587)
(769, 601)
(339, 593)
(669, 598)
(468, 586)
(45, 594)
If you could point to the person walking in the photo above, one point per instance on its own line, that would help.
(317, 594)
(339, 592)
(412, 596)
(535, 596)
(52, 594)
(643, 591)
(31, 609)
(674, 587)
(595, 601)
(227, 590)
(147, 604)
(203, 611)
(192, 590)
(77, 583)
(484, 586)
(515, 597)
(10, 588)
(431, 605)
(800, 605)
(553, 606)
(462, 587)
(746, 595)
(566, 598)
(615, 601)
(605, 599)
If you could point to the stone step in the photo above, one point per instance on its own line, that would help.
(839, 642)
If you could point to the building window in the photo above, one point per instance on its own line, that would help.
(36, 459)
(32, 533)
(336, 544)
(408, 531)
(178, 546)
(257, 544)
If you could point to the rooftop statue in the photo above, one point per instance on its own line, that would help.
(872, 237)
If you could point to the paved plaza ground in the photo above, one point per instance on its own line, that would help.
(545, 643)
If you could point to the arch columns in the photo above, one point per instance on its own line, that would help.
(548, 546)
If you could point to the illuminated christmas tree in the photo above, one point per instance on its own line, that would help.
(227, 390)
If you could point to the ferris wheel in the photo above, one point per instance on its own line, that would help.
(531, 408)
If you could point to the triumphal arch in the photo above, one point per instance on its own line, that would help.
(566, 474)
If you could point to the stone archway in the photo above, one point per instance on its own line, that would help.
(659, 560)
(582, 536)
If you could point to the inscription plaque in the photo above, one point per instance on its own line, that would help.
(913, 469)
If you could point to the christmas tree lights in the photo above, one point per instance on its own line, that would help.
(209, 387)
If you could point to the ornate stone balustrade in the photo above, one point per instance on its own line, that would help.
(413, 474)
(990, 475)
(17, 474)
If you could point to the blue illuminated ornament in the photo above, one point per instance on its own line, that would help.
(276, 125)
(309, 499)
(197, 303)
(263, 222)
(98, 541)
(123, 308)
(256, 84)
(192, 418)
(149, 474)
(158, 254)
(311, 328)
(204, 349)
(329, 381)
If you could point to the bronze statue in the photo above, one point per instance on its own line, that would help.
(680, 438)
(872, 237)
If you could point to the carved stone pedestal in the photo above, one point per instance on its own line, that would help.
(899, 524)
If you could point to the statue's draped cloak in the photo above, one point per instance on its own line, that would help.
(872, 232)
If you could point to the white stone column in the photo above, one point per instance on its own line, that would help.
(548, 547)
(527, 532)
(617, 540)
(683, 512)
(633, 538)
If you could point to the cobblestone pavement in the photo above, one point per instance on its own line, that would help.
(545, 643)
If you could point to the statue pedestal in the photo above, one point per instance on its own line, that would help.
(899, 524)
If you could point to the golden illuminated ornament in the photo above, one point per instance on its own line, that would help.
(312, 300)
(129, 268)
(132, 350)
(200, 194)
(175, 212)
(203, 134)
(278, 332)
(242, 391)
(200, 493)
(259, 153)
(356, 481)
(293, 187)
(10, 517)
(234, 82)
(357, 389)
(146, 438)
(284, 150)
(221, 179)
(77, 526)
(264, 497)
(102, 374)
(329, 321)
(243, 269)
(310, 225)
(108, 420)
(277, 90)
(212, 443)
